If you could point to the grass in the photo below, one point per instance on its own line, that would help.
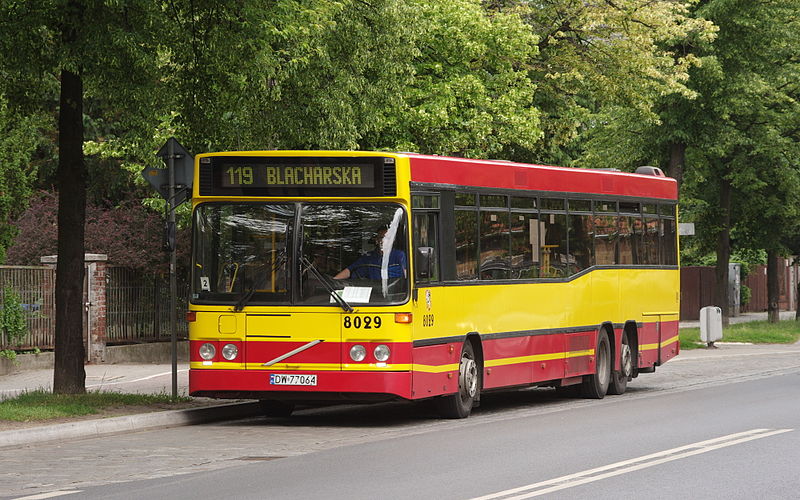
(756, 332)
(42, 405)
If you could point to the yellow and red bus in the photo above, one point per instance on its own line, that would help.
(323, 276)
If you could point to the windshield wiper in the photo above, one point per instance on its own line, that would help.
(244, 299)
(330, 288)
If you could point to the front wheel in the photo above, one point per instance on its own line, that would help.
(595, 386)
(459, 405)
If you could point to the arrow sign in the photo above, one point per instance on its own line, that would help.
(184, 172)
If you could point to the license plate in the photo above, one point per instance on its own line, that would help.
(292, 379)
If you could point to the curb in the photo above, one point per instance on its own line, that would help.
(128, 423)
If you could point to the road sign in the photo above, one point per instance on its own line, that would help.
(184, 172)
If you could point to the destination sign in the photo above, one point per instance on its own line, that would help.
(300, 176)
(317, 176)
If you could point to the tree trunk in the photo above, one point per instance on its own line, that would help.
(69, 376)
(677, 159)
(773, 287)
(723, 250)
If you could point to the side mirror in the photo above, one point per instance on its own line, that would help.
(424, 263)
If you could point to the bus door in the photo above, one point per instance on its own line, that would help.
(297, 341)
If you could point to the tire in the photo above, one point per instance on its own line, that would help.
(621, 377)
(272, 408)
(595, 386)
(459, 405)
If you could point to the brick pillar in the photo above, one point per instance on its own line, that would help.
(96, 267)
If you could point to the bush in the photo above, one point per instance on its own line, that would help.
(130, 234)
(12, 318)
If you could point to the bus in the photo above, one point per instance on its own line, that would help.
(351, 276)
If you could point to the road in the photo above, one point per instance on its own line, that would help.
(710, 425)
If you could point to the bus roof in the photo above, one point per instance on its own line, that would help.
(502, 174)
(510, 175)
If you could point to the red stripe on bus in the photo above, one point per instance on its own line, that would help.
(465, 172)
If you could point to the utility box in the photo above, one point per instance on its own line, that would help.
(710, 324)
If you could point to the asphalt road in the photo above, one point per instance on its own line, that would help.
(709, 425)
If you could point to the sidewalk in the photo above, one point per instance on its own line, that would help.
(130, 378)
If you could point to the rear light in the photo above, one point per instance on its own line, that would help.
(207, 351)
(230, 351)
(191, 316)
(402, 317)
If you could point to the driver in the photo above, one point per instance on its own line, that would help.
(369, 266)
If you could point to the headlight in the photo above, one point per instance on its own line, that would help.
(358, 353)
(208, 351)
(230, 351)
(382, 352)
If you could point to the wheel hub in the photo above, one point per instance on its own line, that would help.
(602, 366)
(468, 372)
(627, 360)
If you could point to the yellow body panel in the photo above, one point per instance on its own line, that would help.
(603, 295)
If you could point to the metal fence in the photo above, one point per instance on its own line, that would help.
(36, 289)
(137, 307)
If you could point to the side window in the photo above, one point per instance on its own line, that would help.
(667, 238)
(466, 244)
(494, 238)
(605, 239)
(650, 241)
(580, 242)
(426, 246)
(525, 230)
(637, 240)
(625, 241)
(554, 246)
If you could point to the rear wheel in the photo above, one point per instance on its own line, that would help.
(459, 405)
(620, 378)
(595, 386)
(272, 408)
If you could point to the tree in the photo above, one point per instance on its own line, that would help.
(105, 49)
(603, 66)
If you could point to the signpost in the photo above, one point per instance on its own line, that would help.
(174, 184)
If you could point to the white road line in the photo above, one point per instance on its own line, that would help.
(51, 494)
(135, 380)
(632, 465)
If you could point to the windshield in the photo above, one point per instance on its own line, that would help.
(238, 248)
(248, 254)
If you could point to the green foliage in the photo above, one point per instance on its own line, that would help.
(603, 67)
(19, 137)
(12, 317)
(755, 332)
(745, 294)
(9, 354)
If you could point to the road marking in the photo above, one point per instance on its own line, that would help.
(101, 384)
(632, 465)
(51, 494)
(10, 393)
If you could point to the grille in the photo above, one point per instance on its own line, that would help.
(389, 180)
